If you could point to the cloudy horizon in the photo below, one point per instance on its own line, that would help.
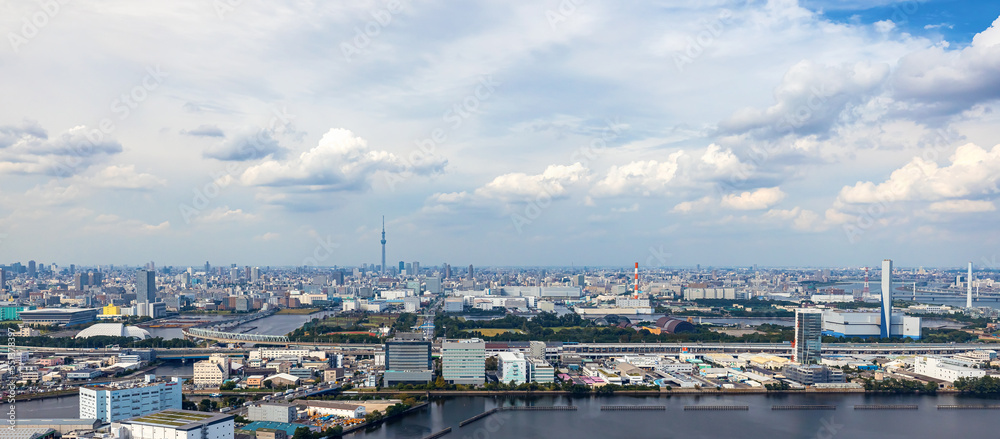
(554, 133)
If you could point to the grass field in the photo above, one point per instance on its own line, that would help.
(490, 332)
(298, 311)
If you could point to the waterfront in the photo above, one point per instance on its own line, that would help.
(759, 421)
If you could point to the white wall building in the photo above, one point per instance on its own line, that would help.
(176, 424)
(839, 323)
(945, 368)
(344, 409)
(513, 367)
(111, 404)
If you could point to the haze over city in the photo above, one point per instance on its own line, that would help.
(726, 133)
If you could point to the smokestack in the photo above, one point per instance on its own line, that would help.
(968, 289)
(886, 323)
(636, 280)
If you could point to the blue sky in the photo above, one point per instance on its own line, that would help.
(500, 133)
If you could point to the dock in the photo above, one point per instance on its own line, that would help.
(632, 407)
(716, 407)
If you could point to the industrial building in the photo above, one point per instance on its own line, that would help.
(512, 367)
(946, 369)
(344, 409)
(176, 424)
(857, 323)
(274, 412)
(809, 374)
(464, 361)
(59, 316)
(110, 404)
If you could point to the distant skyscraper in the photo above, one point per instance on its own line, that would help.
(208, 268)
(402, 266)
(81, 280)
(447, 271)
(95, 278)
(72, 269)
(255, 274)
(145, 286)
(808, 335)
(968, 287)
(3, 279)
(472, 273)
(32, 273)
(886, 323)
(383, 245)
(416, 269)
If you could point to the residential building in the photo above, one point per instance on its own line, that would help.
(176, 424)
(13, 312)
(407, 360)
(464, 361)
(111, 404)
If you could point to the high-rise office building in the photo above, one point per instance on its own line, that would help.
(886, 322)
(145, 286)
(32, 271)
(402, 266)
(407, 360)
(80, 281)
(463, 361)
(3, 279)
(255, 274)
(808, 335)
(338, 277)
(208, 268)
(95, 278)
(472, 273)
(383, 245)
(447, 271)
(416, 269)
(72, 269)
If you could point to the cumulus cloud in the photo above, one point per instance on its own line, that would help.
(639, 177)
(246, 146)
(340, 162)
(762, 198)
(29, 150)
(810, 99)
(973, 172)
(952, 80)
(963, 206)
(225, 214)
(125, 177)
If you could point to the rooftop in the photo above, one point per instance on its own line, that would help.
(179, 419)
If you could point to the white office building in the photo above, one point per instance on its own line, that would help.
(946, 369)
(512, 367)
(176, 424)
(464, 361)
(111, 404)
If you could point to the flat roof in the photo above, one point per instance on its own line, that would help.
(179, 419)
(271, 425)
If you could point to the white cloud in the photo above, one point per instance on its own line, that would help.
(225, 214)
(27, 149)
(644, 178)
(973, 171)
(762, 198)
(125, 177)
(963, 206)
(340, 162)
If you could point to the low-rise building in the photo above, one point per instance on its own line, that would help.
(176, 424)
(946, 369)
(344, 409)
(273, 411)
(809, 374)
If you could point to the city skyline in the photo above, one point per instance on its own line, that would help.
(783, 133)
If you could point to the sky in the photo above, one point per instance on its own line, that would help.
(552, 133)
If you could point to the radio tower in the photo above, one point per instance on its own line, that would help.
(865, 292)
(383, 244)
(636, 281)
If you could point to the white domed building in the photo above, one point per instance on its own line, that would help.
(114, 330)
